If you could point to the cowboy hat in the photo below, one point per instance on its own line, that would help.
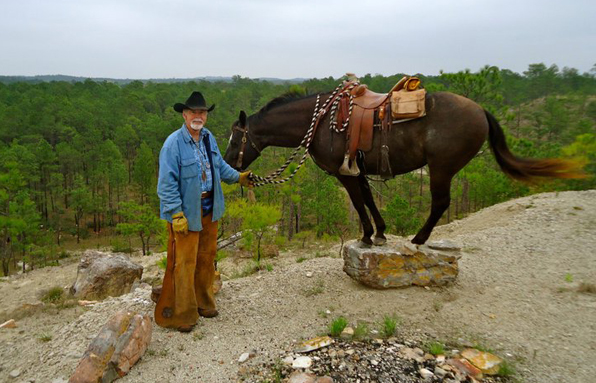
(195, 101)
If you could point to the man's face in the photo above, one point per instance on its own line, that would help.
(195, 118)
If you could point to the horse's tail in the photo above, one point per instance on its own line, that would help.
(526, 169)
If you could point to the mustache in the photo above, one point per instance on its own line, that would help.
(198, 121)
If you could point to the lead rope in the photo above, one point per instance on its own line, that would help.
(308, 138)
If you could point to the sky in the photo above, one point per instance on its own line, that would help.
(143, 39)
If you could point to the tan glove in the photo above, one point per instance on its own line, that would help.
(244, 179)
(179, 223)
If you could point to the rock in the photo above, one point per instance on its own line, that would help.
(410, 353)
(59, 380)
(104, 274)
(301, 377)
(425, 374)
(347, 333)
(302, 362)
(86, 303)
(288, 360)
(465, 367)
(444, 245)
(440, 372)
(314, 344)
(14, 373)
(9, 324)
(386, 267)
(244, 357)
(324, 379)
(309, 274)
(119, 345)
(485, 361)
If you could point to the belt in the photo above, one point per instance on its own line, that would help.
(208, 194)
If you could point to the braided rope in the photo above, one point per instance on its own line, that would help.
(308, 138)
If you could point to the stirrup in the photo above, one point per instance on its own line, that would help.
(349, 170)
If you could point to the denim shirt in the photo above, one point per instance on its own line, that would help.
(179, 184)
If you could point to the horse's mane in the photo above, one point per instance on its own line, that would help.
(284, 99)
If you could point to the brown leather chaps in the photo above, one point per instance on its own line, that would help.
(188, 281)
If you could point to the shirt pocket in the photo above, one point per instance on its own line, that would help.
(189, 168)
(215, 156)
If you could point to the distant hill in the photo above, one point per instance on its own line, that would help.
(59, 77)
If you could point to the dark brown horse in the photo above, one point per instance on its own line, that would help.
(447, 138)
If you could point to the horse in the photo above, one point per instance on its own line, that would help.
(446, 139)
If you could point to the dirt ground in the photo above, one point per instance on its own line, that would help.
(518, 293)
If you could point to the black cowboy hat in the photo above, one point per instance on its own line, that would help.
(195, 101)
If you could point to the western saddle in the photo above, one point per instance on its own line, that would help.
(367, 107)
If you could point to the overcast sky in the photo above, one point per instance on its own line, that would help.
(287, 39)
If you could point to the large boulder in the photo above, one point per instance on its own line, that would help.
(401, 263)
(121, 342)
(105, 274)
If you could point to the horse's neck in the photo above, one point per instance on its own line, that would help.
(285, 126)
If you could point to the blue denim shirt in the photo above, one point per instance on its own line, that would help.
(179, 184)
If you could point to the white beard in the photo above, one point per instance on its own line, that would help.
(196, 125)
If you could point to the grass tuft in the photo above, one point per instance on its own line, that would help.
(162, 262)
(45, 338)
(337, 326)
(53, 295)
(389, 326)
(436, 348)
(506, 369)
(360, 331)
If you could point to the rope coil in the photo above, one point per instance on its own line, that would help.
(308, 138)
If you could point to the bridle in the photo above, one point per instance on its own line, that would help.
(245, 137)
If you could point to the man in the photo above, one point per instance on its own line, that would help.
(191, 168)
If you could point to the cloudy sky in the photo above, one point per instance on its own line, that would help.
(287, 39)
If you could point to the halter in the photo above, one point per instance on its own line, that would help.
(245, 134)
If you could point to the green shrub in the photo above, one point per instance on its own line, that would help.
(337, 326)
(119, 246)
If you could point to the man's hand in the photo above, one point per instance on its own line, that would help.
(244, 179)
(179, 223)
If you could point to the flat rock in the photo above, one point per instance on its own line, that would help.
(102, 274)
(485, 361)
(399, 265)
(14, 373)
(302, 362)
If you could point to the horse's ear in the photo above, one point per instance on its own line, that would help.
(242, 118)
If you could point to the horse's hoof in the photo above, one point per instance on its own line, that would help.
(379, 241)
(365, 245)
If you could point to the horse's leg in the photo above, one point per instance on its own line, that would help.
(369, 201)
(352, 186)
(440, 188)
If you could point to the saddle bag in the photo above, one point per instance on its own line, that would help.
(408, 104)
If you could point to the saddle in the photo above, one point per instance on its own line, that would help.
(369, 107)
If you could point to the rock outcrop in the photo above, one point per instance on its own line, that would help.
(100, 275)
(402, 264)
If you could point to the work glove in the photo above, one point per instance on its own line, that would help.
(179, 223)
(245, 180)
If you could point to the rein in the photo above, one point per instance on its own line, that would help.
(330, 104)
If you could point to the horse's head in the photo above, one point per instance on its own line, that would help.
(242, 149)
